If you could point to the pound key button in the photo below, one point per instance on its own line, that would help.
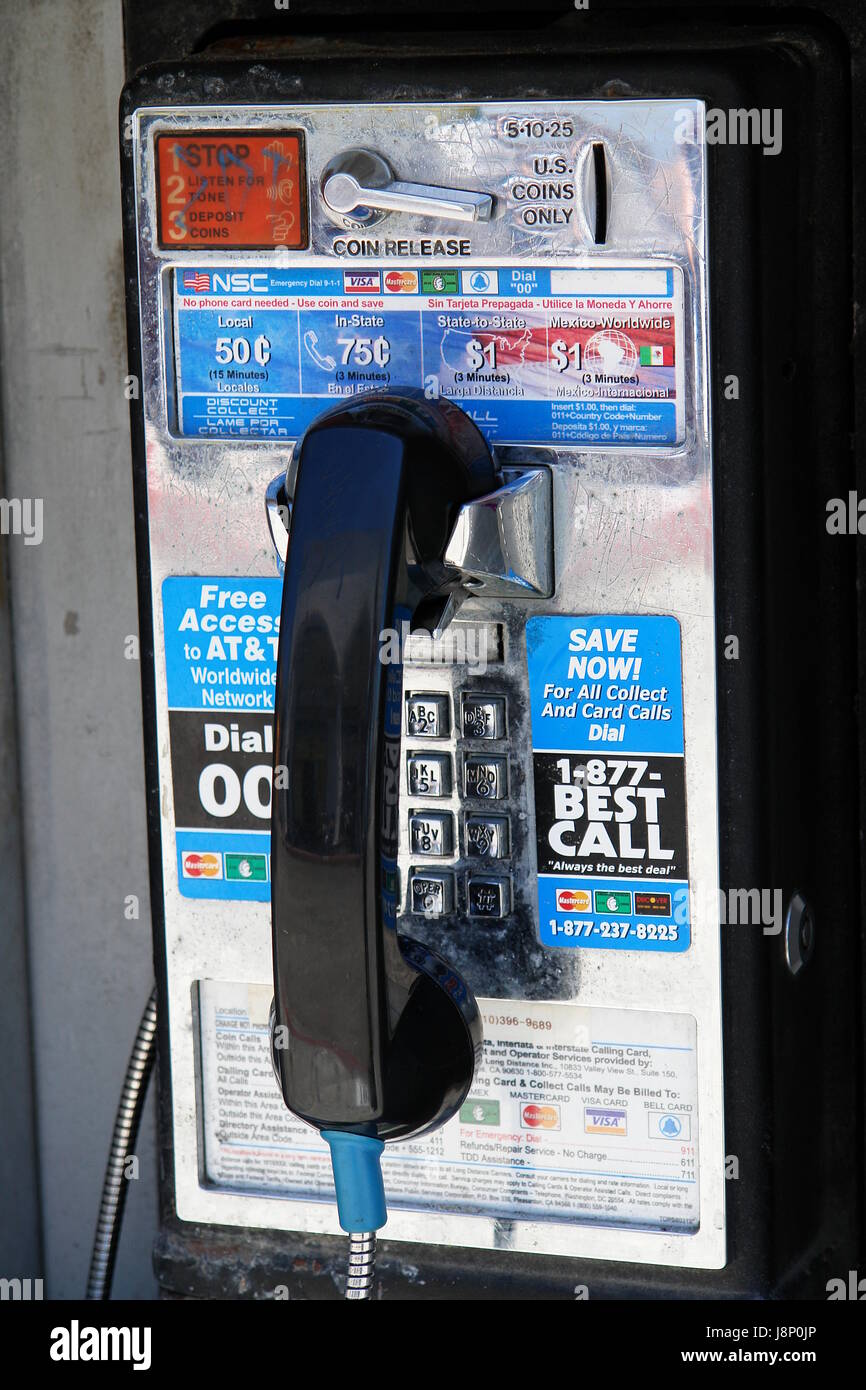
(489, 897)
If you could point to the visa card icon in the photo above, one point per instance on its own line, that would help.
(599, 1119)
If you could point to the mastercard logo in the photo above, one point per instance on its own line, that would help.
(572, 900)
(202, 866)
(402, 281)
(540, 1117)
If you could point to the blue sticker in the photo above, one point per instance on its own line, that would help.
(574, 355)
(609, 774)
(221, 638)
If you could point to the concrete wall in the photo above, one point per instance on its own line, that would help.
(72, 599)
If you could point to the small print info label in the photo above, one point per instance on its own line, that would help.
(609, 773)
(575, 1115)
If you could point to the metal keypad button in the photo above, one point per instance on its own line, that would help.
(432, 895)
(488, 897)
(431, 833)
(487, 837)
(484, 777)
(483, 716)
(427, 716)
(429, 774)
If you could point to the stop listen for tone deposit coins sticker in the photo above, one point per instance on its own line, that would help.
(232, 189)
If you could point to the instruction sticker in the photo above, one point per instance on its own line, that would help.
(609, 774)
(569, 355)
(221, 638)
(576, 1115)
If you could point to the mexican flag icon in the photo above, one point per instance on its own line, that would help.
(654, 355)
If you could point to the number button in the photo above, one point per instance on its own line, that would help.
(484, 777)
(432, 895)
(483, 717)
(429, 774)
(431, 834)
(487, 837)
(427, 716)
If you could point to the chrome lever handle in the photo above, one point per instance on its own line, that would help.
(359, 188)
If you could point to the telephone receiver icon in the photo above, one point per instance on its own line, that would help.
(323, 360)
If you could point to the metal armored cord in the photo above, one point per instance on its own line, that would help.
(362, 1263)
(122, 1141)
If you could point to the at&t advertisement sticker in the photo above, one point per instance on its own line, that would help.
(221, 639)
(609, 771)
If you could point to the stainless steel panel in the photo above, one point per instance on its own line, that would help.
(632, 532)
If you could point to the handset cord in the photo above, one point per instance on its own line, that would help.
(359, 1181)
(362, 1264)
(122, 1143)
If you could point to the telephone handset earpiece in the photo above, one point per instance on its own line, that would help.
(374, 1037)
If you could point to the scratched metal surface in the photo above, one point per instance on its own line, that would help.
(632, 534)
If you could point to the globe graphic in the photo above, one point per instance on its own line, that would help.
(609, 351)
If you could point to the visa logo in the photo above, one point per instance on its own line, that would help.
(239, 282)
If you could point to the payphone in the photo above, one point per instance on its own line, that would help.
(425, 409)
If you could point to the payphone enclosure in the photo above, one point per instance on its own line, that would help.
(558, 794)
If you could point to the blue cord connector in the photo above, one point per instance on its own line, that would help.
(357, 1179)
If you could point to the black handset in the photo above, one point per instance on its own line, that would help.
(379, 1034)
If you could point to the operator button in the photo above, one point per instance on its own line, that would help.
(431, 894)
(427, 716)
(489, 897)
(429, 774)
(431, 833)
(487, 837)
(483, 716)
(484, 777)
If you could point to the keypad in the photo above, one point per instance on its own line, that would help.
(458, 890)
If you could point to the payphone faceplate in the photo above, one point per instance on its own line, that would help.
(557, 764)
